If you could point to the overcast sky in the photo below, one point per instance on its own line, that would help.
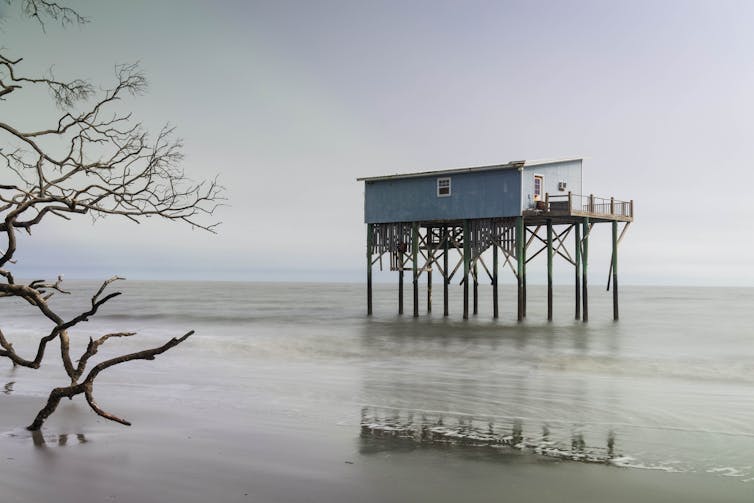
(290, 101)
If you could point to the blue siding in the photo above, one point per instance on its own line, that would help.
(482, 194)
(567, 171)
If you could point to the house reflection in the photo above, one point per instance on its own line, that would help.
(391, 429)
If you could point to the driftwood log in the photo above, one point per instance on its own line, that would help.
(92, 158)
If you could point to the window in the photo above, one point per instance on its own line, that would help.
(539, 182)
(443, 187)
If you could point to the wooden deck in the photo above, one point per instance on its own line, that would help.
(570, 208)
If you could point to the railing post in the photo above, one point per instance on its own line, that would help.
(591, 203)
(570, 202)
(612, 206)
(547, 201)
(632, 208)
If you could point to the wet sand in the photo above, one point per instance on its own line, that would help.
(205, 454)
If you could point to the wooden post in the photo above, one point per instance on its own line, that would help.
(415, 265)
(476, 289)
(400, 286)
(523, 269)
(520, 265)
(466, 263)
(446, 279)
(549, 269)
(369, 269)
(429, 286)
(494, 280)
(577, 239)
(615, 270)
(584, 261)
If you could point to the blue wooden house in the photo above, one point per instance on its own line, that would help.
(502, 190)
(423, 219)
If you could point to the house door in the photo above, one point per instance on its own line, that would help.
(539, 183)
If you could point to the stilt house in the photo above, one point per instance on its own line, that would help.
(422, 219)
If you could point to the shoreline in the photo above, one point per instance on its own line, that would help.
(184, 455)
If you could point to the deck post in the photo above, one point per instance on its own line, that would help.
(549, 269)
(476, 288)
(369, 269)
(415, 265)
(615, 270)
(494, 280)
(466, 264)
(446, 279)
(584, 261)
(577, 296)
(520, 265)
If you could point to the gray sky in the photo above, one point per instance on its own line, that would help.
(290, 101)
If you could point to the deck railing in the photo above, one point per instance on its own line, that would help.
(576, 203)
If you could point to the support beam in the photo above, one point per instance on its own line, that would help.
(520, 238)
(577, 297)
(476, 288)
(494, 280)
(415, 265)
(466, 263)
(369, 269)
(615, 271)
(446, 276)
(584, 263)
(549, 269)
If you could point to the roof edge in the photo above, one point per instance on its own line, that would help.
(509, 165)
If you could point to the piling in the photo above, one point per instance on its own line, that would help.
(446, 275)
(466, 260)
(615, 271)
(577, 260)
(520, 266)
(494, 281)
(369, 269)
(476, 288)
(415, 265)
(400, 290)
(549, 269)
(584, 261)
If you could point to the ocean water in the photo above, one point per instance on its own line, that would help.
(669, 388)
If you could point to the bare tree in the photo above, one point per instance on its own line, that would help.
(92, 159)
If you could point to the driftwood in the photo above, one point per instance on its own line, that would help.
(93, 159)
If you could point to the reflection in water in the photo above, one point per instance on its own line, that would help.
(42, 441)
(393, 429)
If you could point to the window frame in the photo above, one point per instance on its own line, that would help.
(439, 188)
(540, 196)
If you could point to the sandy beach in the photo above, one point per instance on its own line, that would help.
(180, 456)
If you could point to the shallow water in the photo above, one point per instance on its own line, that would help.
(668, 388)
